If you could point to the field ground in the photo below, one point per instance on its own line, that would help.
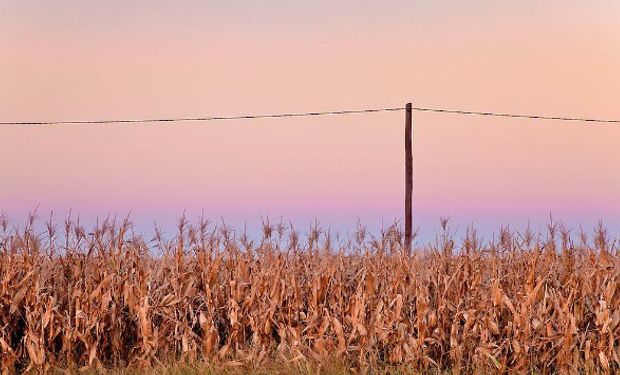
(268, 369)
(97, 298)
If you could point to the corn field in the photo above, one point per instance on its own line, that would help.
(77, 298)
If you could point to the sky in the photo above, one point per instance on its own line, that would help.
(78, 60)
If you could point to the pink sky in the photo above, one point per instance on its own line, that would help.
(67, 60)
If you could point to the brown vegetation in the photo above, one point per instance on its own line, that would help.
(107, 298)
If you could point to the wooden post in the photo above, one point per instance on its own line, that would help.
(408, 179)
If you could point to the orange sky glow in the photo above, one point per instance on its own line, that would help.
(72, 60)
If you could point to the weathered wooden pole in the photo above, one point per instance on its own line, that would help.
(408, 179)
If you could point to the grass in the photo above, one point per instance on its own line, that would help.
(210, 301)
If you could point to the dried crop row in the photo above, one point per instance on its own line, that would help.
(104, 298)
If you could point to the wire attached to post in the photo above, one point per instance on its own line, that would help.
(311, 114)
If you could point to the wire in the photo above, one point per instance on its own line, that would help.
(309, 114)
(214, 118)
(512, 115)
